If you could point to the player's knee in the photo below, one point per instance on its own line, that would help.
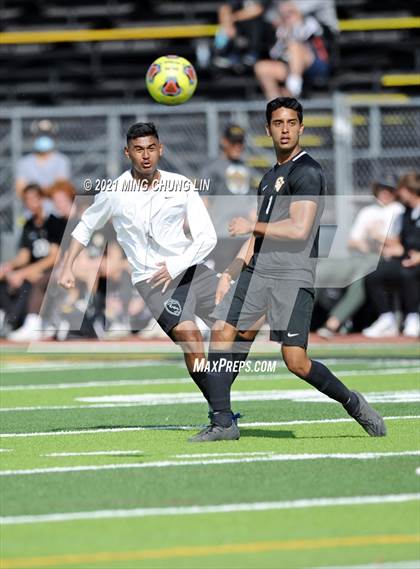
(298, 365)
(222, 337)
(187, 335)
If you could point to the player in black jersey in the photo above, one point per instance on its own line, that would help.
(276, 270)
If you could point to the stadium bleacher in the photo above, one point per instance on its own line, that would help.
(378, 48)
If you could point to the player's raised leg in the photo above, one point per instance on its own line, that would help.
(319, 376)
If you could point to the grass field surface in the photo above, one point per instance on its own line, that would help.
(96, 469)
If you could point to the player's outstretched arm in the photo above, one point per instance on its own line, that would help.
(66, 277)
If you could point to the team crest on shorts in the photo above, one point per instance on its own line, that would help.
(279, 183)
(173, 306)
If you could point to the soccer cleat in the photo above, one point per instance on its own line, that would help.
(235, 417)
(215, 432)
(368, 418)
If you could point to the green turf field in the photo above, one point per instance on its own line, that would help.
(96, 470)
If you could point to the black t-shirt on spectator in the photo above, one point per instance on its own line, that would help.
(410, 229)
(38, 239)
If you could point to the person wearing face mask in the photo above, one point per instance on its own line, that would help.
(230, 193)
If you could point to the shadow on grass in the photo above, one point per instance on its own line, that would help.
(267, 434)
(100, 428)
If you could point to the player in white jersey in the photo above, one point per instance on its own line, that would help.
(148, 208)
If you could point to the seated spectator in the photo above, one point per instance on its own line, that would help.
(44, 166)
(299, 53)
(399, 268)
(367, 236)
(238, 40)
(230, 194)
(24, 279)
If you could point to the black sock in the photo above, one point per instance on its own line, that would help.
(240, 351)
(218, 382)
(325, 381)
(200, 379)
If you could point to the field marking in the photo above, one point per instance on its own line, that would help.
(191, 427)
(187, 380)
(212, 509)
(418, 471)
(97, 453)
(232, 460)
(209, 454)
(61, 366)
(305, 395)
(207, 550)
(154, 399)
(414, 564)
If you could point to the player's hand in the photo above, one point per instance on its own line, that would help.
(222, 288)
(66, 278)
(240, 226)
(161, 277)
(413, 259)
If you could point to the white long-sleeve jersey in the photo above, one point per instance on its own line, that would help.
(149, 223)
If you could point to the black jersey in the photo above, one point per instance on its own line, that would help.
(410, 229)
(301, 178)
(38, 238)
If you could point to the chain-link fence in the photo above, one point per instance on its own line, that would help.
(357, 140)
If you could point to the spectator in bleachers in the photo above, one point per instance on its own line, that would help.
(367, 236)
(44, 166)
(300, 53)
(101, 268)
(238, 40)
(399, 268)
(230, 194)
(24, 278)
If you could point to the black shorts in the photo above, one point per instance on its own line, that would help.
(191, 294)
(287, 306)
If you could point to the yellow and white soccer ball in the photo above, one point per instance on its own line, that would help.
(171, 80)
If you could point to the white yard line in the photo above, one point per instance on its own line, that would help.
(232, 460)
(187, 380)
(415, 564)
(153, 399)
(97, 453)
(210, 454)
(88, 384)
(100, 364)
(190, 427)
(213, 509)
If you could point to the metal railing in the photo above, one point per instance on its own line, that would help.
(356, 139)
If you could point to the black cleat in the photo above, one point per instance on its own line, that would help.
(216, 433)
(368, 418)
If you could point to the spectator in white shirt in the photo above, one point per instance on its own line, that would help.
(367, 237)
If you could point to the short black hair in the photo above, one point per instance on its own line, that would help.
(141, 129)
(288, 103)
(33, 188)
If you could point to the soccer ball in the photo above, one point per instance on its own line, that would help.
(171, 80)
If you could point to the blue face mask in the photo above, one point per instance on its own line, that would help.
(43, 144)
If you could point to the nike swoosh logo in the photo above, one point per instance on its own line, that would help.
(289, 335)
